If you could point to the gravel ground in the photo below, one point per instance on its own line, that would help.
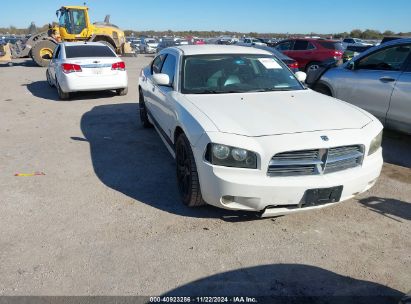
(106, 218)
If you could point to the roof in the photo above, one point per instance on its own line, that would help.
(82, 43)
(218, 49)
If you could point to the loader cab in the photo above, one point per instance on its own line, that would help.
(74, 22)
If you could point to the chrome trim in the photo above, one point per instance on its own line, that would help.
(316, 161)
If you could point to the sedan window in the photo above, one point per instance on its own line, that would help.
(77, 51)
(285, 46)
(235, 73)
(391, 59)
(157, 64)
(300, 45)
(169, 67)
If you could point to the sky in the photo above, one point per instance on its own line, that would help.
(274, 16)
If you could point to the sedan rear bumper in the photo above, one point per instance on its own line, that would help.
(74, 83)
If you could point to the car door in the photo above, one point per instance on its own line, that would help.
(151, 87)
(162, 96)
(285, 47)
(399, 113)
(301, 53)
(54, 62)
(370, 82)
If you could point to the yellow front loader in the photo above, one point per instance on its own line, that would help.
(73, 25)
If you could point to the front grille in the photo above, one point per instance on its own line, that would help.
(316, 161)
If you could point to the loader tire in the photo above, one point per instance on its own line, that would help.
(42, 52)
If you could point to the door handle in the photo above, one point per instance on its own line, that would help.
(153, 89)
(387, 79)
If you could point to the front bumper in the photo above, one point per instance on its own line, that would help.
(254, 190)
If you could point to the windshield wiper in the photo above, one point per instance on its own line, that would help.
(217, 92)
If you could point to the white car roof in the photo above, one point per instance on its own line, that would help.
(219, 49)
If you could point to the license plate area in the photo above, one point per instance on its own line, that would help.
(321, 196)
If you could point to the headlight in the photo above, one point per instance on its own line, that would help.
(375, 144)
(227, 156)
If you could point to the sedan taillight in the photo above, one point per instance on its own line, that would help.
(70, 68)
(293, 65)
(120, 66)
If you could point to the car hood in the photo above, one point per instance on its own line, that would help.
(273, 113)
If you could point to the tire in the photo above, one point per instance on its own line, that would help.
(108, 44)
(62, 95)
(323, 90)
(143, 112)
(312, 66)
(42, 52)
(187, 175)
(49, 79)
(122, 92)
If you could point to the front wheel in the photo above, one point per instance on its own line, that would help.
(122, 92)
(187, 175)
(143, 112)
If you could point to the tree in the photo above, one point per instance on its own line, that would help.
(388, 33)
(356, 33)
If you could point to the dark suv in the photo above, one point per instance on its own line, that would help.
(309, 52)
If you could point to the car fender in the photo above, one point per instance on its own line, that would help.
(190, 119)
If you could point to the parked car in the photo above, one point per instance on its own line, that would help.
(352, 51)
(165, 44)
(91, 66)
(251, 42)
(149, 46)
(136, 44)
(310, 52)
(354, 42)
(247, 135)
(378, 80)
(291, 63)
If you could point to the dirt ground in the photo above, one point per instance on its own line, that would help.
(106, 219)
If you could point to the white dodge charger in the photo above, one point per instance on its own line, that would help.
(247, 134)
(91, 66)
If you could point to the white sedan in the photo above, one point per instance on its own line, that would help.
(247, 134)
(91, 66)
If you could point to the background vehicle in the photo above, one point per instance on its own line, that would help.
(250, 42)
(200, 100)
(74, 25)
(352, 51)
(291, 63)
(310, 52)
(354, 42)
(165, 43)
(89, 66)
(149, 46)
(378, 80)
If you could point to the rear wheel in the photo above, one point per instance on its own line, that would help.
(122, 92)
(62, 95)
(143, 112)
(312, 66)
(187, 175)
(42, 52)
(49, 79)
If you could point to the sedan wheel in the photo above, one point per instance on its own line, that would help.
(49, 79)
(143, 112)
(187, 175)
(312, 67)
(62, 95)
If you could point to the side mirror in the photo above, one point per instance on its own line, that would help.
(301, 76)
(161, 79)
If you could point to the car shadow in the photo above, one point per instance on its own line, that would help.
(134, 161)
(388, 207)
(24, 63)
(41, 89)
(288, 283)
(396, 148)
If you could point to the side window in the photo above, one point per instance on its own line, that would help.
(56, 52)
(300, 45)
(390, 59)
(311, 46)
(157, 64)
(169, 67)
(285, 46)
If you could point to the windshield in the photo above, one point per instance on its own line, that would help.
(236, 73)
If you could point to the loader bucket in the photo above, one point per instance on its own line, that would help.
(5, 53)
